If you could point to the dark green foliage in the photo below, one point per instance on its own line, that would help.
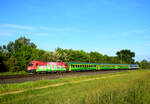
(95, 57)
(144, 64)
(126, 56)
(16, 55)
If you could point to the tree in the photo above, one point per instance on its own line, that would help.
(144, 64)
(126, 56)
(13, 65)
(95, 57)
(78, 56)
(17, 54)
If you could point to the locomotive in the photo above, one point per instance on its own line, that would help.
(40, 67)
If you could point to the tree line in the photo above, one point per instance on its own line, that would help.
(16, 55)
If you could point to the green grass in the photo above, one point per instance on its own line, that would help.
(131, 87)
(14, 73)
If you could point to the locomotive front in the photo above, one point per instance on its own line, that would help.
(32, 66)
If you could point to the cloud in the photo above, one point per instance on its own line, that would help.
(17, 26)
(135, 32)
(7, 32)
(41, 28)
(63, 29)
(15, 29)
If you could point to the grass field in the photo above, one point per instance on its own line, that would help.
(14, 73)
(130, 87)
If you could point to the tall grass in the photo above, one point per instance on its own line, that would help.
(127, 88)
(14, 73)
(135, 91)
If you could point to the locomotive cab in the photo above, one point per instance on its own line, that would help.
(32, 66)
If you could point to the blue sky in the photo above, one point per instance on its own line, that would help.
(106, 26)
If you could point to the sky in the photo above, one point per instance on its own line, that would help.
(105, 26)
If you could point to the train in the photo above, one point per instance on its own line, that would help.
(44, 67)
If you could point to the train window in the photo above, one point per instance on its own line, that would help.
(30, 64)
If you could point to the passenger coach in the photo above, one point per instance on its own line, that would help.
(38, 66)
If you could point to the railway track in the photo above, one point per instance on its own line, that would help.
(50, 76)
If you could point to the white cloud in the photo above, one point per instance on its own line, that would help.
(14, 29)
(135, 32)
(63, 29)
(17, 26)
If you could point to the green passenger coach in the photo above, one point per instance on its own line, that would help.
(38, 66)
(73, 66)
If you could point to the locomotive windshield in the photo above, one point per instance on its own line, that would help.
(30, 64)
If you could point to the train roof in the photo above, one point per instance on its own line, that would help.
(97, 63)
(35, 61)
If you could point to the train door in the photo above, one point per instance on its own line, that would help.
(97, 67)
